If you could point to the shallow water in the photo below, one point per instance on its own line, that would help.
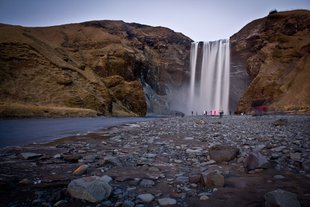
(38, 130)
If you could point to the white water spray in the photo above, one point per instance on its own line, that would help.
(209, 84)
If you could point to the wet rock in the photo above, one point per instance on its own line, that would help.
(80, 170)
(113, 160)
(128, 203)
(30, 155)
(182, 179)
(61, 203)
(295, 156)
(57, 156)
(278, 177)
(166, 201)
(93, 189)
(223, 153)
(89, 158)
(278, 149)
(150, 156)
(147, 197)
(194, 151)
(212, 179)
(281, 198)
(255, 160)
(280, 122)
(204, 197)
(25, 181)
(210, 162)
(146, 183)
(72, 158)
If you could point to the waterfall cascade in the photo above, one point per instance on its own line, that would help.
(210, 73)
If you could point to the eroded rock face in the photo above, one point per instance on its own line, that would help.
(275, 53)
(66, 66)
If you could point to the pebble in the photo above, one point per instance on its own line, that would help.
(80, 170)
(30, 155)
(147, 197)
(166, 201)
(278, 177)
(146, 183)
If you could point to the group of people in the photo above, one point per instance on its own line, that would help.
(212, 113)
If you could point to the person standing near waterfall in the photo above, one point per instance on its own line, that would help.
(221, 113)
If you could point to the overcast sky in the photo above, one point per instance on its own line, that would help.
(197, 19)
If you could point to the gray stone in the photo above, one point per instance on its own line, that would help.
(128, 203)
(223, 153)
(30, 155)
(280, 122)
(150, 155)
(166, 201)
(278, 149)
(147, 197)
(212, 179)
(93, 189)
(182, 179)
(25, 181)
(113, 160)
(255, 160)
(195, 151)
(147, 183)
(295, 156)
(204, 197)
(278, 177)
(74, 158)
(281, 198)
(60, 203)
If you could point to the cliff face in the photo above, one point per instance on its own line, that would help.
(275, 53)
(98, 67)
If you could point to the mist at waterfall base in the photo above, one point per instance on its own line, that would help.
(208, 87)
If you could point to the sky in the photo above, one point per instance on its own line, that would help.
(200, 20)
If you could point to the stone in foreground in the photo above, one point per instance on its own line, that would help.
(93, 189)
(212, 179)
(223, 153)
(256, 160)
(166, 201)
(281, 198)
(147, 197)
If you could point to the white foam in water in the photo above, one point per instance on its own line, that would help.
(210, 91)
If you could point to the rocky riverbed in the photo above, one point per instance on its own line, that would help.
(189, 161)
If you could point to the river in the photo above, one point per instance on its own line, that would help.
(39, 130)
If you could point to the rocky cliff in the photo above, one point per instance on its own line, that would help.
(275, 52)
(98, 67)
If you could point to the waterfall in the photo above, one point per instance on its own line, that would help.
(209, 82)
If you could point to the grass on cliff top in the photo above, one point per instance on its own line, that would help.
(26, 110)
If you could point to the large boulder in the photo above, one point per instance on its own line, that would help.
(281, 198)
(255, 160)
(223, 153)
(93, 189)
